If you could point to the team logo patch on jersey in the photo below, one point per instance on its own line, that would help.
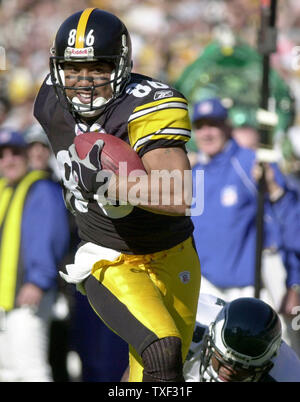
(229, 196)
(163, 94)
(185, 276)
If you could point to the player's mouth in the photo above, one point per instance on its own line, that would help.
(224, 378)
(231, 378)
(85, 97)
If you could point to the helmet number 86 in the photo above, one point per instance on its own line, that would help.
(89, 40)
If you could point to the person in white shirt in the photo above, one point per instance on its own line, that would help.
(239, 341)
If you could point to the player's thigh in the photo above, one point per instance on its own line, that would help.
(128, 301)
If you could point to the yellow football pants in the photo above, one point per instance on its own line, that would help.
(147, 297)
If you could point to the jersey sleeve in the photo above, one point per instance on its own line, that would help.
(159, 123)
(44, 104)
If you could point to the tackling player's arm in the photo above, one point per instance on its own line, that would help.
(167, 188)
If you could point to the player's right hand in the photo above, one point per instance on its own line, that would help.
(85, 170)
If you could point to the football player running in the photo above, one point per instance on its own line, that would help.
(239, 341)
(137, 263)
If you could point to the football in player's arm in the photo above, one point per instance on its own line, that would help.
(134, 256)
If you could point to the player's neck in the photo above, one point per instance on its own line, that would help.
(89, 120)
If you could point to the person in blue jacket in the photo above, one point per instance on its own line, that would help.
(225, 231)
(287, 212)
(287, 207)
(34, 237)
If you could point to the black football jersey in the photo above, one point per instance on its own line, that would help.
(147, 115)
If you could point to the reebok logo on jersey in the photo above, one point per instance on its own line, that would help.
(185, 276)
(163, 94)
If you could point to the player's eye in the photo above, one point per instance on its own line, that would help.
(71, 69)
(99, 72)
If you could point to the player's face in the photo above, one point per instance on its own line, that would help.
(226, 372)
(81, 76)
(210, 137)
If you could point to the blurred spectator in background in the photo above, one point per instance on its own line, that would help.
(287, 212)
(167, 36)
(5, 108)
(40, 152)
(225, 233)
(287, 207)
(40, 157)
(34, 239)
(294, 157)
(94, 343)
(246, 136)
(103, 354)
(39, 149)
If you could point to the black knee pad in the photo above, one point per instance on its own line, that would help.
(162, 361)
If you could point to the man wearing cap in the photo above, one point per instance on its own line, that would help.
(225, 233)
(33, 240)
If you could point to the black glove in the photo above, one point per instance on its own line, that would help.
(85, 170)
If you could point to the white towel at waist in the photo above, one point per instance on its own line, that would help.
(85, 257)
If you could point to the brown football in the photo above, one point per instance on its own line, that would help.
(113, 152)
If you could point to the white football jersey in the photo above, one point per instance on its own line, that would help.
(286, 364)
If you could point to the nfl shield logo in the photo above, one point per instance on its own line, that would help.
(185, 276)
(229, 196)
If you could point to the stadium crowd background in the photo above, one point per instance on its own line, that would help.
(167, 36)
